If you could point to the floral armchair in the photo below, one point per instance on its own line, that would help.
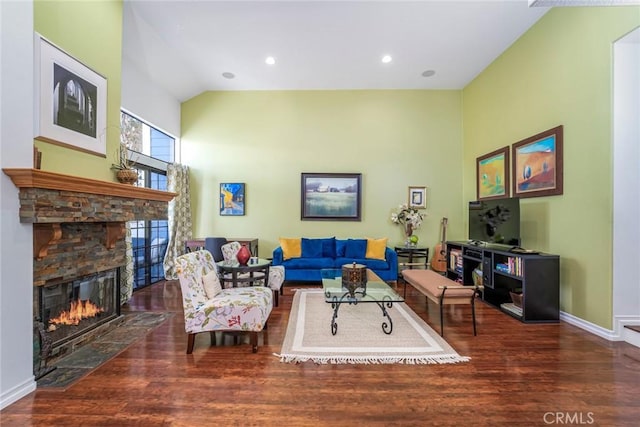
(211, 308)
(276, 272)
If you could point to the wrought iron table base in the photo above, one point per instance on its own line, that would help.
(387, 328)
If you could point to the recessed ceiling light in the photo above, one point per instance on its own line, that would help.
(228, 75)
(270, 60)
(428, 73)
(386, 59)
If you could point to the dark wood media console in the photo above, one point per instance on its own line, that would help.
(534, 276)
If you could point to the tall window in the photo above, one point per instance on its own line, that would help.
(152, 150)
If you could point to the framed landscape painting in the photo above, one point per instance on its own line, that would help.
(492, 175)
(537, 165)
(232, 199)
(70, 100)
(331, 196)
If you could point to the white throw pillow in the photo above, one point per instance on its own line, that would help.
(211, 284)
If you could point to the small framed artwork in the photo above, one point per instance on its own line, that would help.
(232, 199)
(331, 196)
(537, 165)
(418, 197)
(492, 175)
(70, 100)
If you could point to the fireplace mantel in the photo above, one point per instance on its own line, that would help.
(56, 204)
(35, 178)
(53, 198)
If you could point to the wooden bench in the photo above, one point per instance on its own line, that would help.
(442, 291)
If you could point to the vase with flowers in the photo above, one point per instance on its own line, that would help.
(410, 219)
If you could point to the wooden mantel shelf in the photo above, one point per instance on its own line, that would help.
(36, 178)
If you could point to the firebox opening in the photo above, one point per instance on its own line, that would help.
(69, 310)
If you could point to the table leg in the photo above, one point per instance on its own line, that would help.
(386, 328)
(336, 306)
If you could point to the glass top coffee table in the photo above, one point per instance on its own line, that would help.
(375, 291)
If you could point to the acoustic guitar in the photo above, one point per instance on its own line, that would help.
(439, 260)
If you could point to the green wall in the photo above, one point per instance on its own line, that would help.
(91, 32)
(267, 139)
(559, 73)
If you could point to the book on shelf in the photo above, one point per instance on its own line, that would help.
(512, 308)
(455, 260)
(513, 266)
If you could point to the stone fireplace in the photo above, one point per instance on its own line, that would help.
(79, 226)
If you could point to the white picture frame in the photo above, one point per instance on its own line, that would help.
(417, 197)
(70, 100)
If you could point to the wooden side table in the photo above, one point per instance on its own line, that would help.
(194, 244)
(198, 243)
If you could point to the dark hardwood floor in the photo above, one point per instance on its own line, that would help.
(519, 375)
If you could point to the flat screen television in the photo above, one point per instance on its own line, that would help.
(495, 221)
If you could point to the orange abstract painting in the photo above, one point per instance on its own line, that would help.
(492, 172)
(537, 165)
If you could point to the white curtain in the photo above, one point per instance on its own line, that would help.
(180, 226)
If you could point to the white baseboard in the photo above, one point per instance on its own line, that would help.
(18, 392)
(619, 322)
(619, 333)
(632, 337)
(588, 326)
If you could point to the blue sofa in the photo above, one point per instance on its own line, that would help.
(334, 253)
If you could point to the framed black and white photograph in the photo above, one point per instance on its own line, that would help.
(331, 196)
(70, 100)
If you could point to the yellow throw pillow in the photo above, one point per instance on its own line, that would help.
(376, 248)
(291, 248)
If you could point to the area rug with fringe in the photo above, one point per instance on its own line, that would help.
(360, 338)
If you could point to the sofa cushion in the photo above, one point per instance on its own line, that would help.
(308, 263)
(376, 248)
(311, 248)
(341, 247)
(291, 248)
(329, 247)
(356, 248)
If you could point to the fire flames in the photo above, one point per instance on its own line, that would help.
(79, 310)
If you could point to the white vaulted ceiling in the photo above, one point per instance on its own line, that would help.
(186, 46)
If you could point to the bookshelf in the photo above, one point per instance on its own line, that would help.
(534, 276)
